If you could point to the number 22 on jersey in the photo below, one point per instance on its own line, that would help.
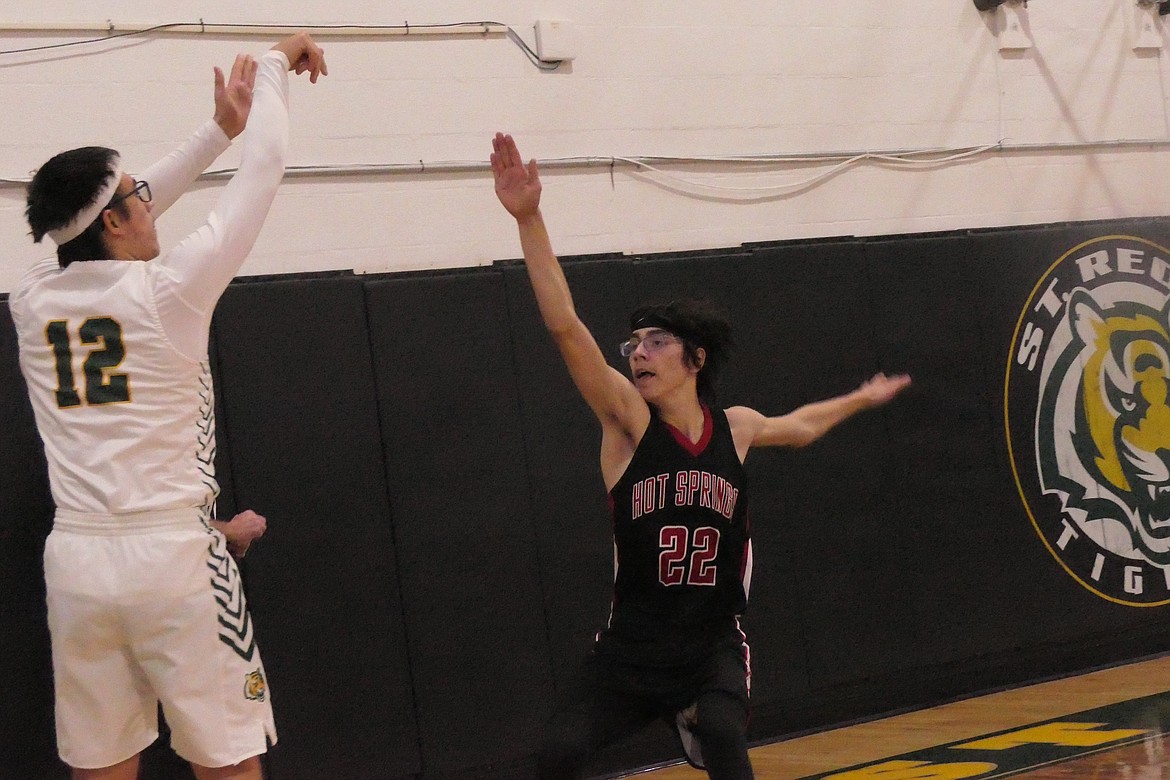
(676, 544)
(101, 386)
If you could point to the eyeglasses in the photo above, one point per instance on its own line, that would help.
(141, 189)
(653, 342)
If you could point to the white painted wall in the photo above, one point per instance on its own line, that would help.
(697, 79)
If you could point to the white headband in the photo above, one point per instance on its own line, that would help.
(84, 218)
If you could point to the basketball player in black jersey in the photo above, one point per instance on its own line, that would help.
(674, 468)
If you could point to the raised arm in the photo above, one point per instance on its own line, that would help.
(174, 174)
(200, 268)
(810, 422)
(610, 395)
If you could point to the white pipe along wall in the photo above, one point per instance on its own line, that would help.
(706, 125)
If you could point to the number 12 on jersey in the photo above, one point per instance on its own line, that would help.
(677, 544)
(100, 387)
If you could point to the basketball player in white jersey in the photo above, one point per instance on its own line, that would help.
(144, 601)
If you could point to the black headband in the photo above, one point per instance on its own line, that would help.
(654, 319)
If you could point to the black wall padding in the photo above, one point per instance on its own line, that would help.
(926, 321)
(562, 442)
(463, 519)
(301, 412)
(27, 744)
(439, 552)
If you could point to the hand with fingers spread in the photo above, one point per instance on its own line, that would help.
(233, 99)
(517, 184)
(881, 389)
(304, 55)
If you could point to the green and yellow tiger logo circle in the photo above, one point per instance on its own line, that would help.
(1087, 413)
(255, 688)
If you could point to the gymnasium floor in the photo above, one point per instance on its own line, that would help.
(1107, 724)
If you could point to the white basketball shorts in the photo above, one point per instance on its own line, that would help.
(150, 608)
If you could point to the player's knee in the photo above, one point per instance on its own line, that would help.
(248, 769)
(722, 724)
(719, 736)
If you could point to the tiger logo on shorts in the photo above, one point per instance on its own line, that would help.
(254, 686)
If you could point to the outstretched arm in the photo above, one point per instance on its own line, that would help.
(609, 394)
(810, 422)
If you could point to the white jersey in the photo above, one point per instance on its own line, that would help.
(114, 352)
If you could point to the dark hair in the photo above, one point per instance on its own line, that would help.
(61, 188)
(700, 325)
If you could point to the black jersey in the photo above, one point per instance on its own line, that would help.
(682, 546)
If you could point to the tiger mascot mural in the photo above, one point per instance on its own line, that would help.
(1103, 425)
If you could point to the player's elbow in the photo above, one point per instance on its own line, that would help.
(563, 326)
(265, 156)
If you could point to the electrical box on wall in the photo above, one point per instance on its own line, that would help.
(555, 40)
